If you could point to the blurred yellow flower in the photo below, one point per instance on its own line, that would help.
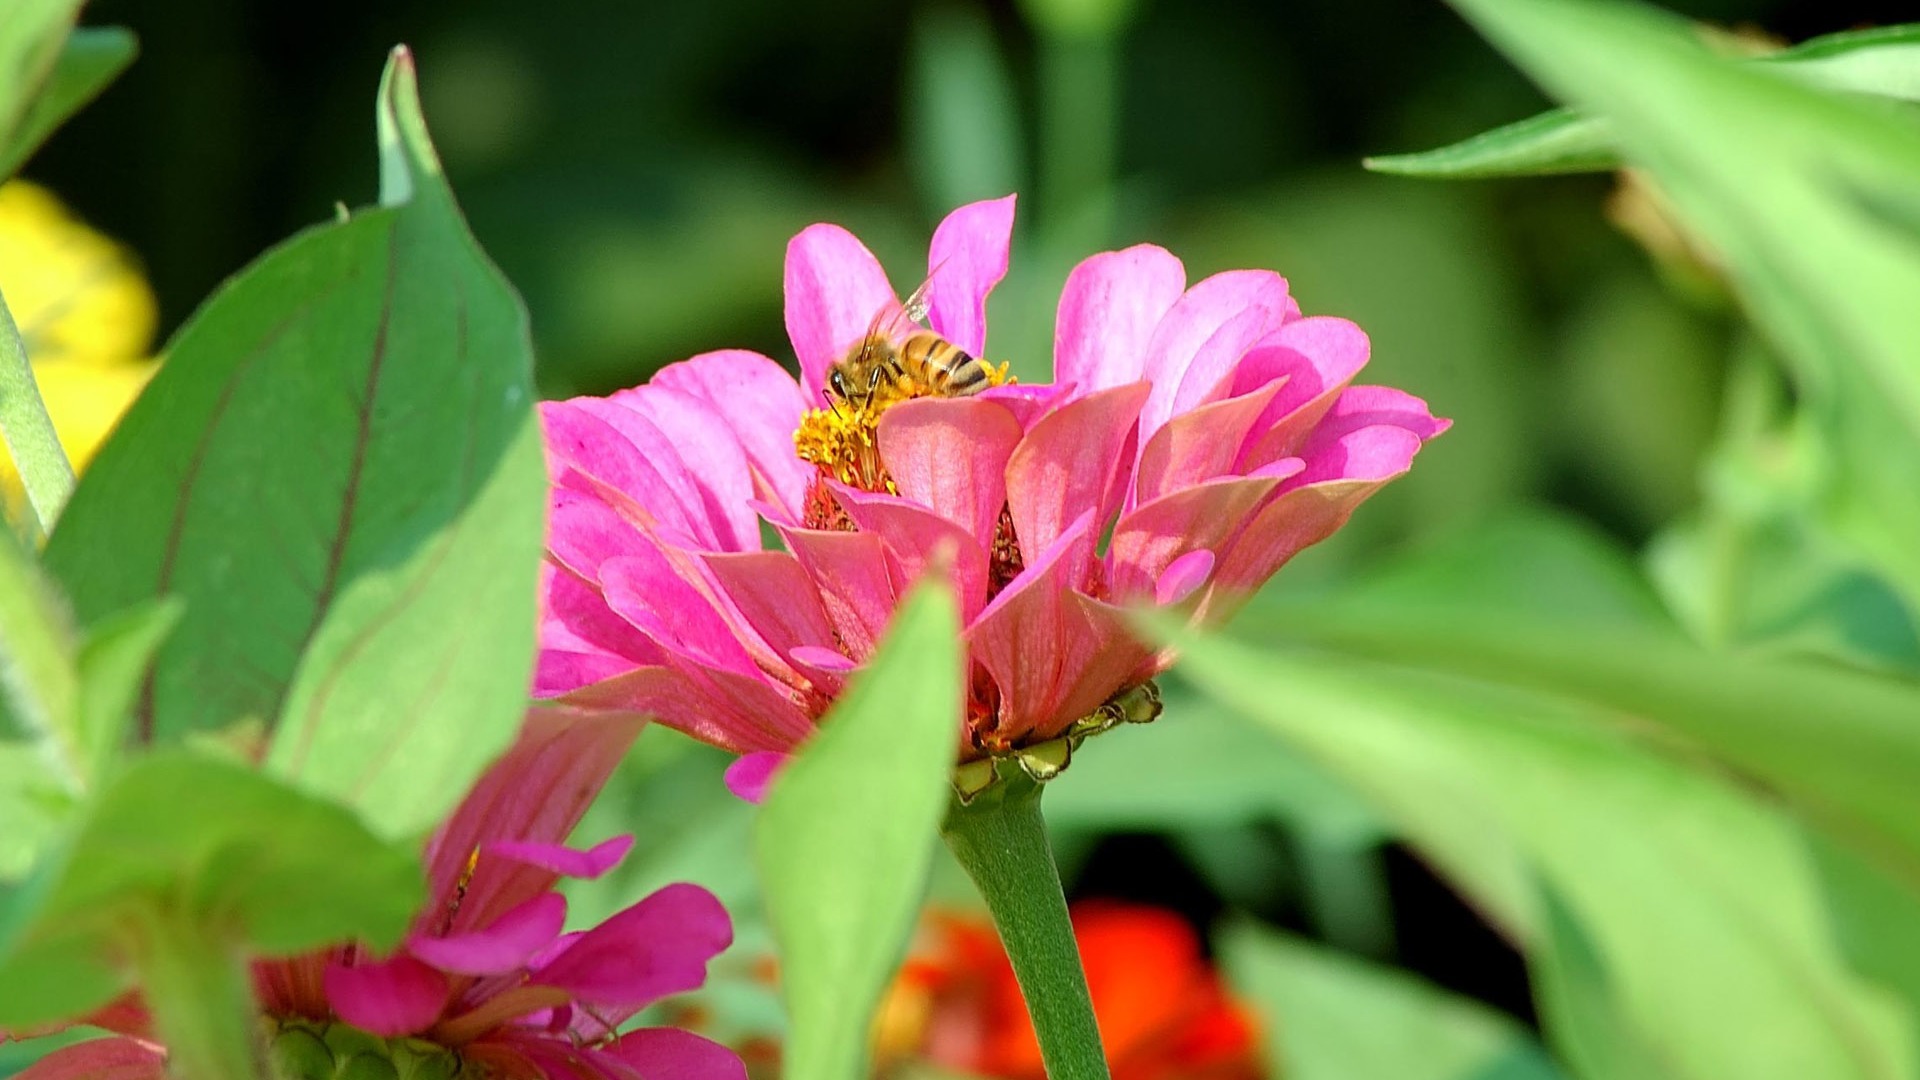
(86, 314)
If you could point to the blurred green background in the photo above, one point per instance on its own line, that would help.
(636, 169)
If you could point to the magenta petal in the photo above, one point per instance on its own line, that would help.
(834, 287)
(1071, 463)
(120, 1058)
(1182, 577)
(1149, 538)
(1317, 357)
(1054, 653)
(624, 457)
(823, 659)
(575, 617)
(505, 944)
(1376, 452)
(760, 401)
(732, 711)
(1294, 521)
(967, 259)
(657, 947)
(1199, 445)
(1108, 311)
(1213, 325)
(713, 464)
(395, 997)
(916, 538)
(857, 590)
(772, 601)
(650, 591)
(672, 1054)
(536, 792)
(563, 860)
(950, 455)
(751, 775)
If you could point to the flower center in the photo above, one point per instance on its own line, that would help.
(840, 442)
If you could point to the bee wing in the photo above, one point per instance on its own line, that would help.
(916, 306)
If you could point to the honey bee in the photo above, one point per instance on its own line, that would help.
(897, 348)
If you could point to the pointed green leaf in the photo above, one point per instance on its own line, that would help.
(30, 40)
(1884, 61)
(239, 852)
(91, 59)
(339, 469)
(846, 837)
(1701, 902)
(39, 688)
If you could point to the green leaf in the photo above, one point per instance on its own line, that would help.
(30, 41)
(1806, 196)
(92, 58)
(1334, 1017)
(339, 469)
(39, 687)
(216, 841)
(1700, 900)
(1884, 61)
(1840, 744)
(846, 837)
(1577, 1005)
(114, 659)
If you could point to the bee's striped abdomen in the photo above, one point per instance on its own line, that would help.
(944, 366)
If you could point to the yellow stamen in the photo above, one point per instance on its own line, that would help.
(840, 441)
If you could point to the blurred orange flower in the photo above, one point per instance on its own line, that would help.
(1164, 1013)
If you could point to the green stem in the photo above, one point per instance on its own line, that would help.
(201, 996)
(28, 430)
(1001, 840)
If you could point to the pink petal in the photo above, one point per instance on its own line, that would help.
(772, 603)
(1182, 577)
(401, 996)
(751, 775)
(649, 591)
(592, 454)
(1209, 329)
(1055, 654)
(728, 710)
(917, 538)
(583, 532)
(561, 672)
(1199, 445)
(537, 792)
(563, 860)
(950, 455)
(505, 944)
(1286, 526)
(1108, 311)
(1028, 402)
(106, 1059)
(1375, 452)
(967, 259)
(709, 452)
(657, 947)
(1149, 538)
(1074, 461)
(834, 288)
(1317, 357)
(672, 1054)
(574, 616)
(857, 591)
(760, 401)
(823, 659)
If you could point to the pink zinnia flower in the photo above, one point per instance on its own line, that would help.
(486, 973)
(1193, 441)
